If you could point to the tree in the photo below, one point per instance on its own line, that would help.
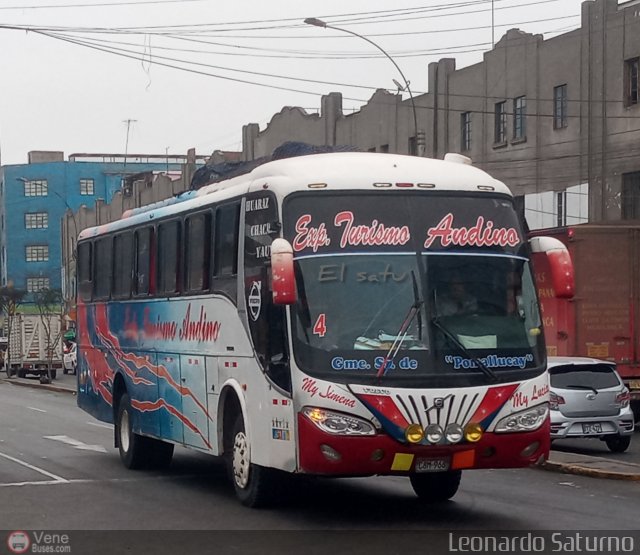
(10, 301)
(49, 303)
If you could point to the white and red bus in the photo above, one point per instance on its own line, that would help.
(341, 314)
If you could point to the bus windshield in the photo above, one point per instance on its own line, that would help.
(413, 309)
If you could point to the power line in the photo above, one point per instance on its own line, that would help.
(97, 5)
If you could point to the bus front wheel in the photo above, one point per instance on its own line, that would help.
(253, 484)
(435, 487)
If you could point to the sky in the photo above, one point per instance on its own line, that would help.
(163, 76)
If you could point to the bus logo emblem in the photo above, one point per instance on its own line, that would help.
(438, 403)
(255, 300)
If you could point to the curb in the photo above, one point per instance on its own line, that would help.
(586, 471)
(36, 385)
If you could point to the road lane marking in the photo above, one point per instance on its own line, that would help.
(100, 425)
(34, 408)
(32, 467)
(76, 444)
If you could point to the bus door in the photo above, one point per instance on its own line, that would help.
(194, 370)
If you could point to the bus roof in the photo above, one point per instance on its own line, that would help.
(325, 172)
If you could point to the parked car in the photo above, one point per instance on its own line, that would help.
(70, 357)
(589, 400)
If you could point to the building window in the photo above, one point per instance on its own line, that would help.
(500, 129)
(631, 196)
(465, 131)
(631, 81)
(413, 146)
(36, 188)
(37, 284)
(560, 118)
(37, 253)
(36, 220)
(561, 208)
(384, 148)
(87, 187)
(520, 118)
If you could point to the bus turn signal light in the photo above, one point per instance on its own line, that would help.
(473, 432)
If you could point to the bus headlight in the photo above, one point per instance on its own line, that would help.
(338, 423)
(524, 421)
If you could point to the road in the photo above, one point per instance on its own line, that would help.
(59, 471)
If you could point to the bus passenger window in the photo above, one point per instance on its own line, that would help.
(122, 265)
(198, 249)
(142, 274)
(84, 271)
(226, 240)
(102, 268)
(168, 256)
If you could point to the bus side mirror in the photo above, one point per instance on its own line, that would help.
(562, 275)
(283, 281)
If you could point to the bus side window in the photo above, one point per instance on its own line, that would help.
(102, 268)
(142, 272)
(198, 250)
(122, 265)
(225, 258)
(168, 253)
(85, 274)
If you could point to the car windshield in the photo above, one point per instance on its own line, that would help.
(588, 376)
(400, 314)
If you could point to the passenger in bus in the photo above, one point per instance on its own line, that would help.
(456, 300)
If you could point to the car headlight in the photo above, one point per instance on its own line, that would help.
(338, 423)
(524, 421)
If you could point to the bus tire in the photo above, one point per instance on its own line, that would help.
(435, 487)
(130, 445)
(253, 484)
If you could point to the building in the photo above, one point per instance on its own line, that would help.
(35, 196)
(557, 120)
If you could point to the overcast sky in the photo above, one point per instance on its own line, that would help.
(62, 87)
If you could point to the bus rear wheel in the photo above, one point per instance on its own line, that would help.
(435, 487)
(254, 485)
(130, 445)
(138, 451)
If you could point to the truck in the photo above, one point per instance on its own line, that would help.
(30, 350)
(602, 319)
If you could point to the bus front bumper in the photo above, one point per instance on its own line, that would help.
(327, 454)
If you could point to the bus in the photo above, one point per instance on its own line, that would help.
(335, 314)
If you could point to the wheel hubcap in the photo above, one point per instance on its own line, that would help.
(241, 460)
(125, 438)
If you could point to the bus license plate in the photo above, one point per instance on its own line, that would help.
(432, 465)
(592, 428)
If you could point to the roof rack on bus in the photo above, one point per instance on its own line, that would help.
(210, 174)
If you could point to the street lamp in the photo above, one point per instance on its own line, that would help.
(319, 23)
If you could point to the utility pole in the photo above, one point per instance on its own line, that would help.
(126, 144)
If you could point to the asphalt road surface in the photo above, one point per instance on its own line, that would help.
(59, 471)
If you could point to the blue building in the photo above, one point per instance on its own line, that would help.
(35, 196)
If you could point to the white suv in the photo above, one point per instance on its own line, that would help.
(70, 358)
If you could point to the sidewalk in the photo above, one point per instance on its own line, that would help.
(64, 383)
(588, 465)
(559, 461)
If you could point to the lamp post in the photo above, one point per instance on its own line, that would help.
(319, 23)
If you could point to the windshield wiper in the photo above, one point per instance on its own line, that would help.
(451, 337)
(404, 328)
